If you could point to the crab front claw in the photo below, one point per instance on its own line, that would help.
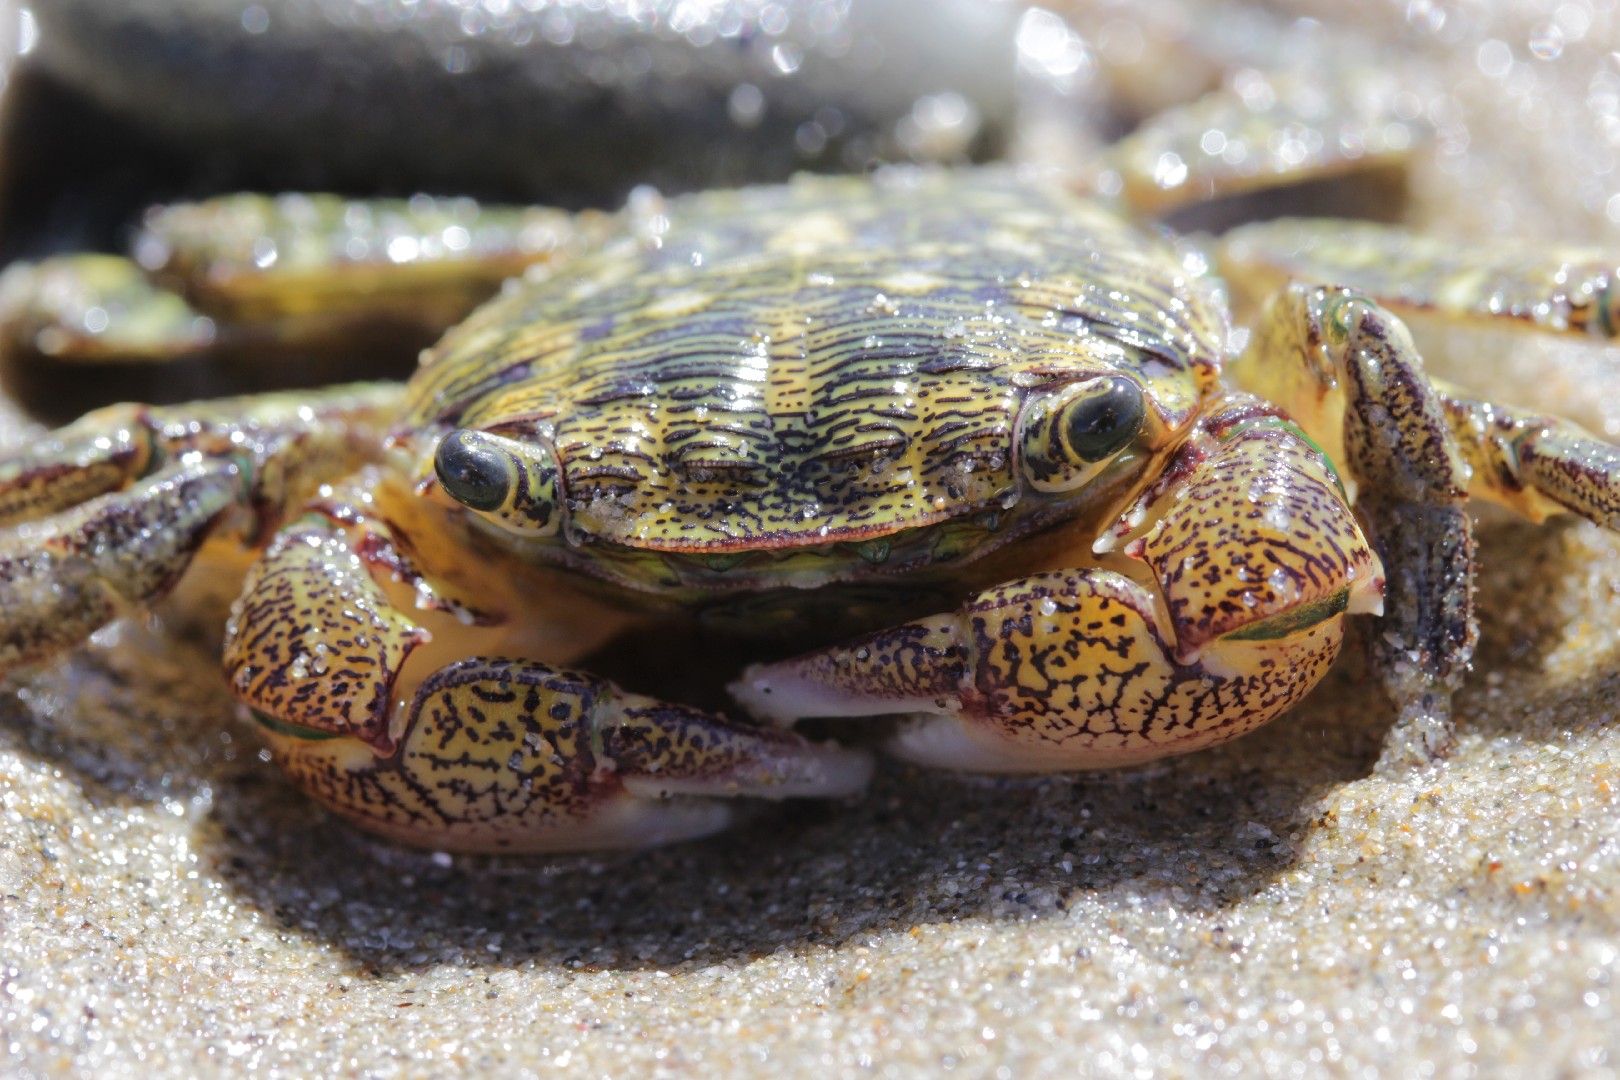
(486, 753)
(1244, 560)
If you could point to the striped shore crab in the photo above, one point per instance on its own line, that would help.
(958, 383)
(998, 445)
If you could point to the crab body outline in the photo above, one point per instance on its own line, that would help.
(936, 361)
(812, 385)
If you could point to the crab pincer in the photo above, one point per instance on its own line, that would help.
(1240, 564)
(332, 648)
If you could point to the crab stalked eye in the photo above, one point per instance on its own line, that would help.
(510, 483)
(1067, 433)
(475, 474)
(1098, 423)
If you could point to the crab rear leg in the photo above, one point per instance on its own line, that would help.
(1334, 114)
(1552, 288)
(82, 569)
(104, 516)
(1534, 464)
(1225, 608)
(336, 648)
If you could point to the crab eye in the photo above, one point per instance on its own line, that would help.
(513, 484)
(1098, 423)
(475, 475)
(1066, 434)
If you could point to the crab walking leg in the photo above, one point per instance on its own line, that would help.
(1553, 288)
(104, 516)
(487, 753)
(306, 438)
(1256, 558)
(1346, 368)
(1534, 464)
(1262, 131)
(82, 569)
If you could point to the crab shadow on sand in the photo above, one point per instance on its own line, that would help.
(130, 724)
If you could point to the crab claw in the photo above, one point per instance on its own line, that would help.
(1254, 558)
(1252, 535)
(487, 753)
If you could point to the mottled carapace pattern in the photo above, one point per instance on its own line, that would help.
(830, 360)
